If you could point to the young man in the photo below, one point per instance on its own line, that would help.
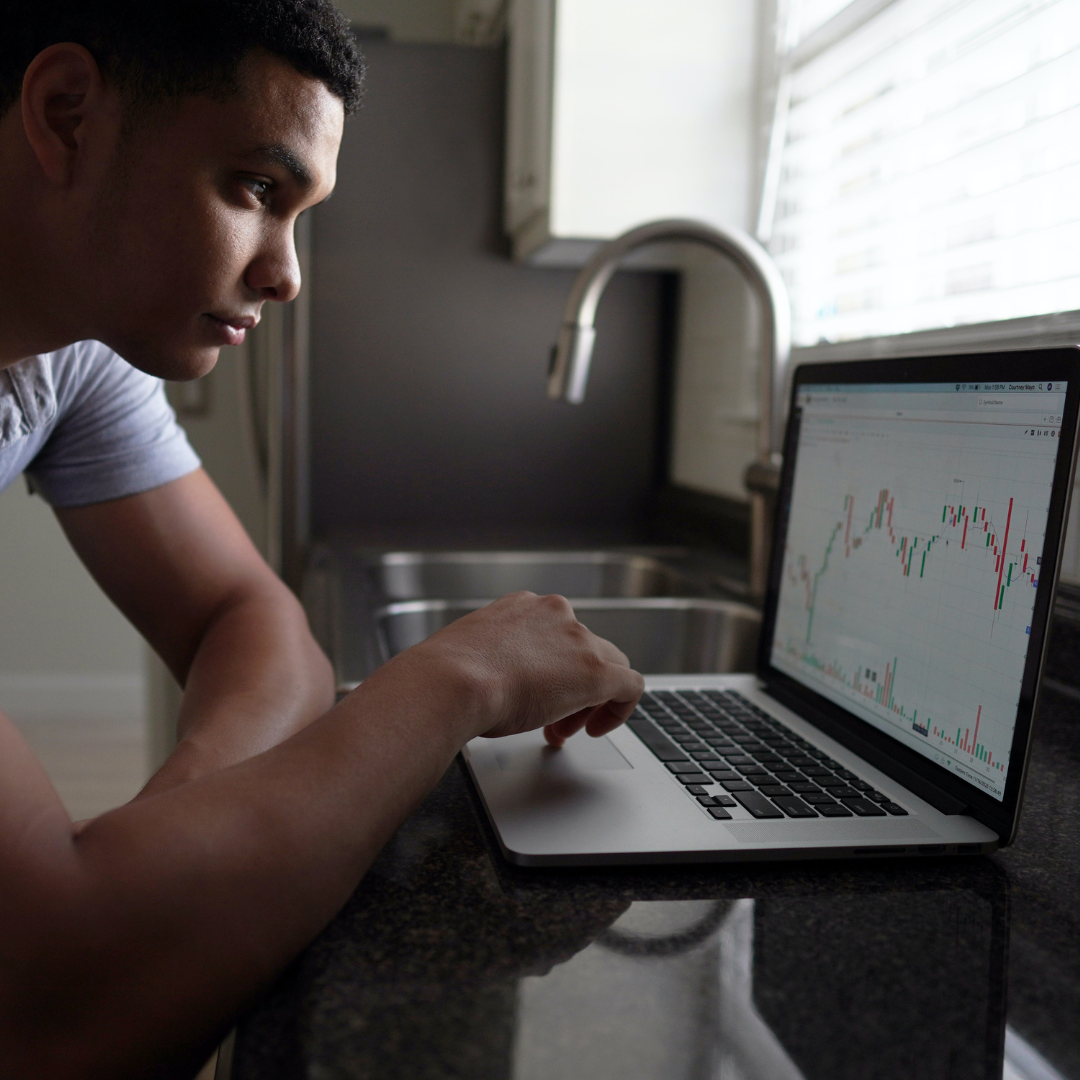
(153, 160)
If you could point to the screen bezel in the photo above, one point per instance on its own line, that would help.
(1050, 365)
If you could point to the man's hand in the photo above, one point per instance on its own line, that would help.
(535, 666)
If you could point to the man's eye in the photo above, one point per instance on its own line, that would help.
(259, 188)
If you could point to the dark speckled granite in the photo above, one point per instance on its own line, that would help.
(448, 962)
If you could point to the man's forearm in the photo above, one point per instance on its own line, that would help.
(141, 936)
(167, 913)
(256, 679)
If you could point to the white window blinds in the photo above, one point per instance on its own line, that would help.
(929, 170)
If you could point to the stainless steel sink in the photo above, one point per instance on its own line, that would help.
(661, 636)
(467, 575)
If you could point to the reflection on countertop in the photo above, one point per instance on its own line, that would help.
(449, 962)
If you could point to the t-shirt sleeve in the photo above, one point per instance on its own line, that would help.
(117, 435)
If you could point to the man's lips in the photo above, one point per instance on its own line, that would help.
(233, 328)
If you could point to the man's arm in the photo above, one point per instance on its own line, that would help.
(179, 565)
(128, 947)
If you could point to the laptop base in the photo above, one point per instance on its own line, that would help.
(610, 801)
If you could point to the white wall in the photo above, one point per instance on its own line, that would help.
(63, 646)
(718, 348)
(716, 380)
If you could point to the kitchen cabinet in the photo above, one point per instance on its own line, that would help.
(624, 111)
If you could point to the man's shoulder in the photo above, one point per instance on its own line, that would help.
(112, 433)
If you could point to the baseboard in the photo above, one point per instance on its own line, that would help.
(42, 696)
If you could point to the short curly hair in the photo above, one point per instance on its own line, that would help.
(172, 48)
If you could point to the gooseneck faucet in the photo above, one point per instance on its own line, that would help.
(573, 351)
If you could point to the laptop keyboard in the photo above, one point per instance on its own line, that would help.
(725, 751)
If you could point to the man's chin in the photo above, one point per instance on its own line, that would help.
(174, 365)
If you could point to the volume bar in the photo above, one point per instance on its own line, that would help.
(658, 743)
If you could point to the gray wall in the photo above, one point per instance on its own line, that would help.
(429, 347)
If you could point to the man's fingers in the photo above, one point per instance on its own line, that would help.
(598, 720)
(538, 666)
(556, 734)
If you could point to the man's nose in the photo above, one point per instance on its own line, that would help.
(275, 272)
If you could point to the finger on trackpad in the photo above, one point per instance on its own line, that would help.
(578, 754)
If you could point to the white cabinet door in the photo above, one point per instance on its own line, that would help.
(625, 111)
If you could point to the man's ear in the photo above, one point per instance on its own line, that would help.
(61, 88)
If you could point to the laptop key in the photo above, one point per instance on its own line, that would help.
(758, 805)
(683, 766)
(725, 800)
(735, 785)
(700, 778)
(804, 787)
(697, 789)
(774, 791)
(895, 809)
(719, 813)
(739, 759)
(795, 807)
(705, 800)
(816, 799)
(832, 809)
(655, 740)
(724, 774)
(864, 807)
(786, 776)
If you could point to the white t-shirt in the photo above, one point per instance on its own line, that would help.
(85, 427)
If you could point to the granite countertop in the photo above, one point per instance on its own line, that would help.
(449, 962)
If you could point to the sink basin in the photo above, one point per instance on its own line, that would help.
(661, 636)
(467, 575)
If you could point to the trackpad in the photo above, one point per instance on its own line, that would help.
(582, 753)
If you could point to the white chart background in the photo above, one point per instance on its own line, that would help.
(954, 652)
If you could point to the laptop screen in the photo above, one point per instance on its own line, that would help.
(913, 551)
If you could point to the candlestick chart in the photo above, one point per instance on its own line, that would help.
(909, 578)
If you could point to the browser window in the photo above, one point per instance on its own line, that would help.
(914, 549)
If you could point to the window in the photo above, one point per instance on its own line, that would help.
(925, 170)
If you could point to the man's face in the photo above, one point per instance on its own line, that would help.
(193, 232)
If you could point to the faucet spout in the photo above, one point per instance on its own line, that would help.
(572, 354)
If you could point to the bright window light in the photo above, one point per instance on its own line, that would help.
(930, 174)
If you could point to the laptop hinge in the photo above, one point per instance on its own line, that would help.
(927, 790)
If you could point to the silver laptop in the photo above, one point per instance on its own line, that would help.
(918, 534)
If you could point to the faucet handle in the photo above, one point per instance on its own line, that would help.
(762, 477)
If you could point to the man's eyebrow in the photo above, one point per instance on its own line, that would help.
(282, 155)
